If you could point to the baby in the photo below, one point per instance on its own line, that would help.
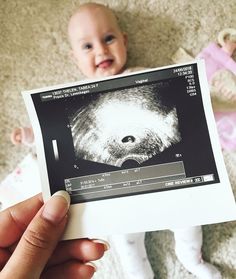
(99, 49)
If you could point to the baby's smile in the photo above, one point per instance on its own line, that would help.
(105, 64)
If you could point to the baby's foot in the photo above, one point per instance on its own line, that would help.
(22, 135)
(16, 137)
(206, 271)
(188, 243)
(132, 254)
(194, 263)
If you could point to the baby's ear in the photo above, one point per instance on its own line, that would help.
(125, 38)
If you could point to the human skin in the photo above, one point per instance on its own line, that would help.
(99, 47)
(29, 242)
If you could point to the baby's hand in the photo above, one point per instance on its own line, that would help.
(22, 135)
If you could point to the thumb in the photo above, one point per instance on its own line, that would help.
(39, 240)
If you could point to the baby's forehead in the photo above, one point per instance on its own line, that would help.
(93, 12)
(88, 16)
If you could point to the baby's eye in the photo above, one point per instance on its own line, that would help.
(109, 39)
(87, 46)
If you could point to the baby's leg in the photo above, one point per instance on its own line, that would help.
(132, 254)
(188, 244)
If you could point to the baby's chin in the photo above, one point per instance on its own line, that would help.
(100, 73)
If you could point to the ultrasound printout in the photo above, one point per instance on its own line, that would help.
(145, 135)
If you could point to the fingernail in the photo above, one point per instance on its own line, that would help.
(57, 207)
(92, 264)
(105, 243)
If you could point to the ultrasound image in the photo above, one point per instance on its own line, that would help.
(130, 125)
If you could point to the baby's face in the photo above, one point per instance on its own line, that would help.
(98, 45)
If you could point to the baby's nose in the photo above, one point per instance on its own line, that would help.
(101, 49)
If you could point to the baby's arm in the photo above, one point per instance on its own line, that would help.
(22, 135)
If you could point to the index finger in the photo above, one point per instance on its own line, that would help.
(15, 219)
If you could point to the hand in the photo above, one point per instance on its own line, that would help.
(30, 247)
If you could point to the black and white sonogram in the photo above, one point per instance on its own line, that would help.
(128, 125)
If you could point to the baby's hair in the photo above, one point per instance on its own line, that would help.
(228, 34)
(77, 7)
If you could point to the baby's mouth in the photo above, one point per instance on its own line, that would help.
(105, 64)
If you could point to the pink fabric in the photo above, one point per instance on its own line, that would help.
(216, 59)
(226, 125)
